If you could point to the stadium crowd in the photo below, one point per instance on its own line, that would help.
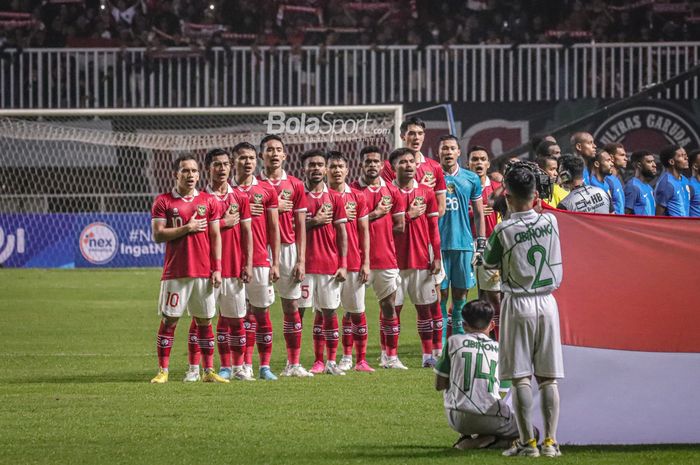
(154, 23)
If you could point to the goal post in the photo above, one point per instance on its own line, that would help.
(77, 185)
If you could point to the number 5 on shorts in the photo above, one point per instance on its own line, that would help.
(305, 291)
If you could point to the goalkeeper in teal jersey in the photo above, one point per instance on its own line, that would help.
(459, 253)
(526, 249)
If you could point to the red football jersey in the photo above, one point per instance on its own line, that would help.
(382, 251)
(187, 256)
(321, 247)
(292, 189)
(426, 168)
(490, 221)
(231, 253)
(259, 193)
(354, 201)
(412, 244)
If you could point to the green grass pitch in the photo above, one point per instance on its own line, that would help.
(78, 350)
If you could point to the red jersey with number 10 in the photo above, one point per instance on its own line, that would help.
(321, 247)
(262, 194)
(382, 251)
(412, 244)
(187, 256)
(289, 188)
(231, 251)
(355, 204)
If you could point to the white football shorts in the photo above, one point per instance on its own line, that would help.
(196, 295)
(259, 292)
(287, 286)
(418, 285)
(352, 293)
(384, 282)
(320, 291)
(231, 298)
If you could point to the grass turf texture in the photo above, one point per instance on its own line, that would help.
(79, 350)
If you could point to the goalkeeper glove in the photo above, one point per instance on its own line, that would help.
(479, 254)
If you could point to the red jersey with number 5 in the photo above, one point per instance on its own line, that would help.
(412, 244)
(231, 251)
(289, 188)
(260, 193)
(187, 256)
(321, 247)
(382, 250)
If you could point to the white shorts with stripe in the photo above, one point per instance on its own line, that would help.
(384, 282)
(196, 295)
(259, 291)
(418, 285)
(231, 298)
(287, 287)
(352, 293)
(530, 341)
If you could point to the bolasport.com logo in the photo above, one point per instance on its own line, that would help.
(98, 243)
(327, 124)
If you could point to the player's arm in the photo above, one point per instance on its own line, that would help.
(441, 203)
(273, 240)
(434, 233)
(631, 196)
(441, 191)
(247, 248)
(300, 240)
(494, 250)
(363, 233)
(215, 251)
(663, 193)
(480, 226)
(161, 233)
(442, 369)
(340, 221)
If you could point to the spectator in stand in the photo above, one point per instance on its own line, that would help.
(639, 194)
(694, 162)
(672, 190)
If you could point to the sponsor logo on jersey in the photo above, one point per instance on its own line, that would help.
(533, 233)
(176, 212)
(386, 200)
(257, 198)
(286, 194)
(98, 243)
(201, 210)
(649, 127)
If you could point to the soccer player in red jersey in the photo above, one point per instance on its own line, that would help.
(417, 266)
(488, 280)
(352, 294)
(292, 223)
(188, 222)
(326, 259)
(386, 215)
(265, 228)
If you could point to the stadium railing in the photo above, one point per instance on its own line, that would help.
(338, 75)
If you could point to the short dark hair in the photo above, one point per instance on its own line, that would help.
(448, 137)
(475, 148)
(639, 155)
(536, 141)
(520, 182)
(181, 158)
(612, 147)
(336, 155)
(214, 153)
(667, 153)
(369, 149)
(400, 152)
(692, 156)
(542, 161)
(573, 164)
(243, 146)
(412, 121)
(477, 314)
(268, 138)
(542, 149)
(599, 153)
(311, 154)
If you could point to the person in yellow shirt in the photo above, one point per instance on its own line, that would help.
(549, 166)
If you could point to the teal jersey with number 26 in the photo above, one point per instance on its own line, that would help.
(526, 249)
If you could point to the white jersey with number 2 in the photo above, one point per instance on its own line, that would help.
(526, 248)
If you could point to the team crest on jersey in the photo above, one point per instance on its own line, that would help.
(257, 198)
(233, 208)
(326, 207)
(420, 200)
(386, 200)
(350, 206)
(201, 210)
(428, 176)
(176, 212)
(451, 188)
(286, 194)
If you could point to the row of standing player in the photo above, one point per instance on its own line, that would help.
(311, 254)
(596, 176)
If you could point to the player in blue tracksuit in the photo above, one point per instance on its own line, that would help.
(672, 190)
(694, 181)
(639, 195)
(617, 193)
(614, 180)
(456, 242)
(583, 145)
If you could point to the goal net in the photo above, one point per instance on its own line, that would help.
(84, 161)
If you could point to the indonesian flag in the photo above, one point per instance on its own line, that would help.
(629, 306)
